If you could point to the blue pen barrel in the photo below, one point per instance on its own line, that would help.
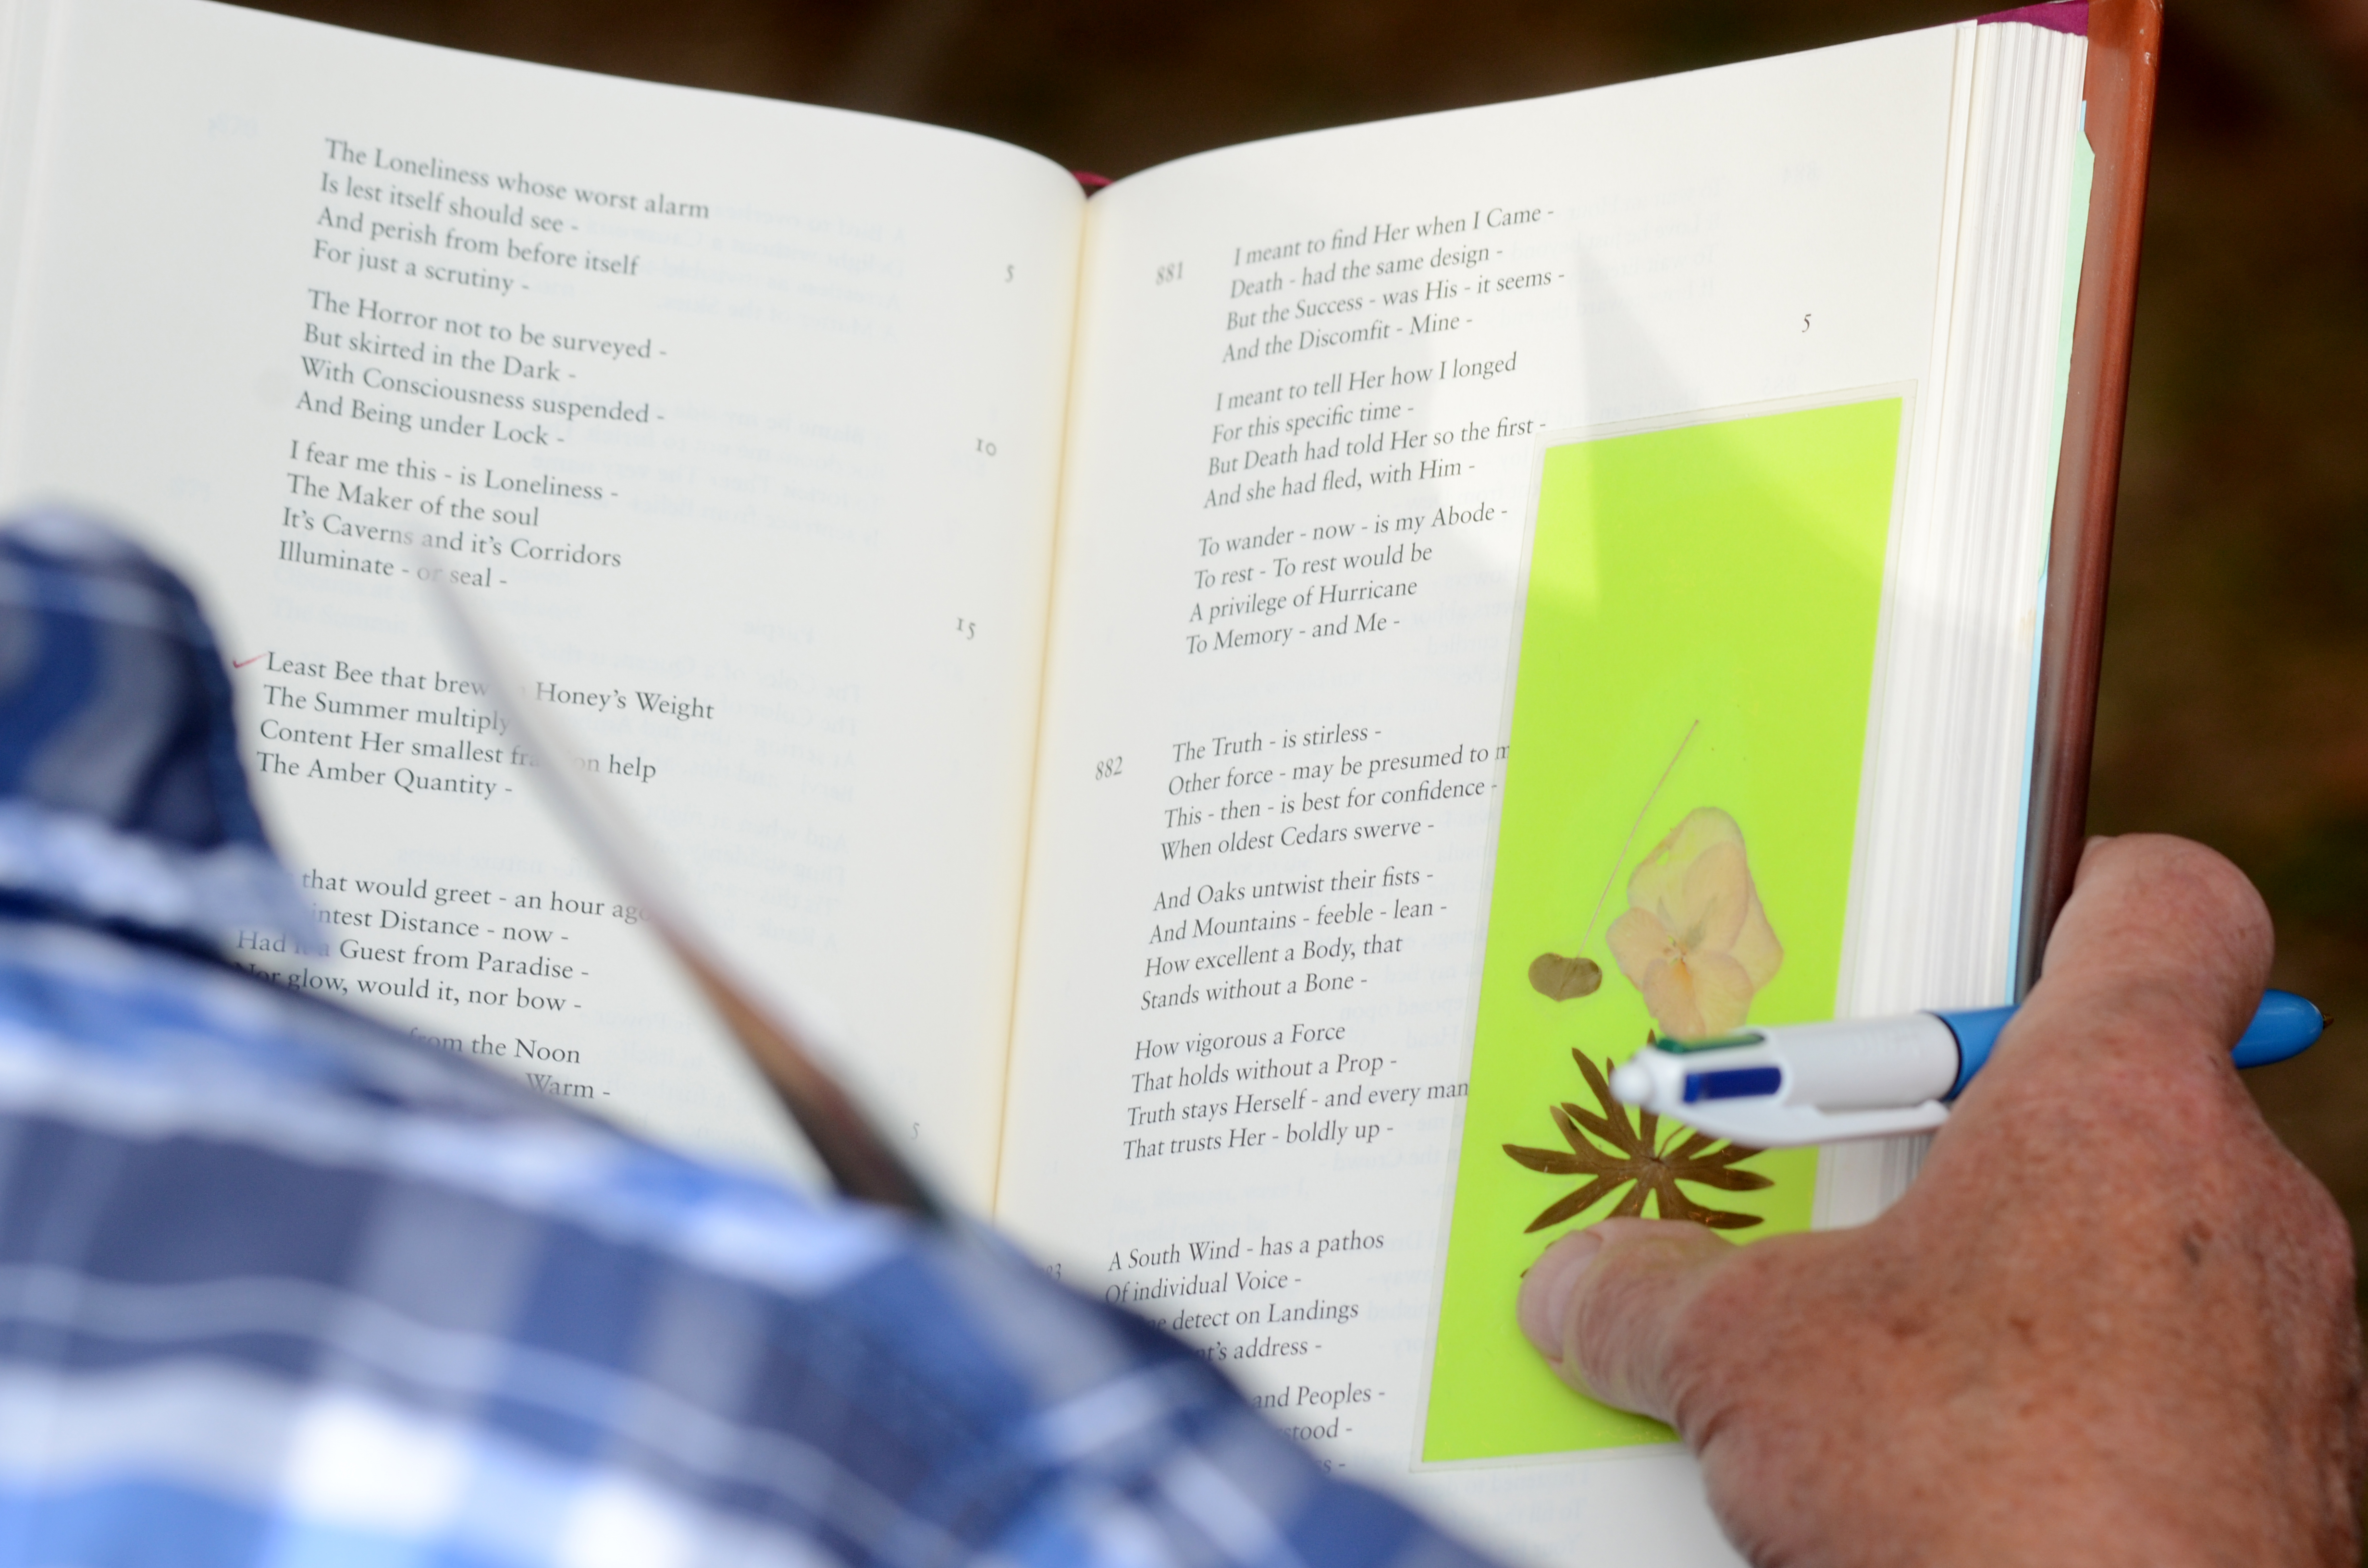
(2285, 1025)
(1976, 1032)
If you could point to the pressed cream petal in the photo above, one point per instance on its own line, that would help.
(1650, 883)
(1722, 992)
(1755, 947)
(1659, 888)
(1637, 941)
(1659, 878)
(1703, 829)
(1718, 896)
(1669, 997)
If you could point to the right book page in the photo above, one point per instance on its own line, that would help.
(1316, 382)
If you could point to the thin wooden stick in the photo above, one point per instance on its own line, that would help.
(862, 1163)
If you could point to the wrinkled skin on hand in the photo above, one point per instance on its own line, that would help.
(2111, 1323)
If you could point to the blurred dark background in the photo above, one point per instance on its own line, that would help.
(2235, 689)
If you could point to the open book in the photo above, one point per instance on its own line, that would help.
(1167, 670)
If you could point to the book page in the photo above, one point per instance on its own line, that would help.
(1313, 376)
(742, 419)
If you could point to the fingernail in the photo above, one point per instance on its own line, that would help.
(1545, 1294)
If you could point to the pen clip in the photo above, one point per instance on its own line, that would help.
(1767, 1124)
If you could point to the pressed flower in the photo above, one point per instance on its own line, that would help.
(1639, 1158)
(1695, 938)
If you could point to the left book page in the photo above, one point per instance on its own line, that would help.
(742, 418)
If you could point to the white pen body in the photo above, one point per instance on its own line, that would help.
(1789, 1084)
(1872, 1065)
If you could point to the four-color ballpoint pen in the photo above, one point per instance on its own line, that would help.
(1788, 1085)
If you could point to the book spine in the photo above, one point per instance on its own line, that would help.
(2124, 52)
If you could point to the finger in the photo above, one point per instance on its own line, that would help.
(2119, 1058)
(1603, 1306)
(2160, 927)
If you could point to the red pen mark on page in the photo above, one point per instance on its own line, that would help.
(241, 663)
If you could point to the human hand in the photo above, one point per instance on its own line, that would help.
(2111, 1321)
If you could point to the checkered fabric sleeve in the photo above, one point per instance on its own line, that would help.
(280, 1287)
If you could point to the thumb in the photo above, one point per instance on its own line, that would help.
(1603, 1305)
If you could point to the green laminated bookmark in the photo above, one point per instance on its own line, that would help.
(1690, 721)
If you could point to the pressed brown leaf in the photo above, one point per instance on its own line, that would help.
(1667, 1201)
(1692, 1146)
(1634, 1162)
(1729, 1180)
(1566, 1113)
(1565, 979)
(1726, 1156)
(1573, 1202)
(1676, 1206)
(1623, 1133)
(1553, 1162)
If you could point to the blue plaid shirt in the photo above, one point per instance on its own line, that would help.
(279, 1286)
